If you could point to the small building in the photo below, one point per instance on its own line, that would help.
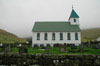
(98, 39)
(52, 32)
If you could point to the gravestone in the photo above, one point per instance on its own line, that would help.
(56, 45)
(47, 49)
(62, 48)
(73, 46)
(81, 47)
(95, 46)
(19, 45)
(98, 45)
(88, 44)
(48, 45)
(6, 50)
(42, 46)
(36, 46)
(65, 44)
(23, 50)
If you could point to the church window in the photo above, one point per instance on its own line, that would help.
(61, 36)
(74, 20)
(45, 36)
(76, 36)
(68, 36)
(38, 36)
(53, 36)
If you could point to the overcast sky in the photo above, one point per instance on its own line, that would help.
(18, 16)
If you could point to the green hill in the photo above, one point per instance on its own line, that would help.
(90, 34)
(6, 37)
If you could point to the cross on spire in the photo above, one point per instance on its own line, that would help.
(72, 6)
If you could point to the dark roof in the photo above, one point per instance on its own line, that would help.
(55, 27)
(74, 14)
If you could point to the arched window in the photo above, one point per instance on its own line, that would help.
(38, 36)
(76, 36)
(61, 36)
(53, 36)
(45, 36)
(68, 36)
(74, 20)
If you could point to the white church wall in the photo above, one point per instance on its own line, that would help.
(74, 23)
(57, 38)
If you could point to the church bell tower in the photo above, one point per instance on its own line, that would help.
(74, 18)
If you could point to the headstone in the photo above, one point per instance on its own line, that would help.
(47, 49)
(1, 44)
(62, 48)
(48, 45)
(88, 45)
(98, 45)
(73, 46)
(23, 50)
(65, 44)
(6, 50)
(27, 42)
(56, 45)
(19, 45)
(81, 47)
(36, 46)
(42, 46)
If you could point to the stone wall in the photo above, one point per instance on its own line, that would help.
(49, 60)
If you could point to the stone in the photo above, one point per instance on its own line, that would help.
(36, 46)
(23, 50)
(97, 62)
(48, 45)
(41, 45)
(47, 49)
(56, 45)
(96, 46)
(73, 46)
(88, 45)
(62, 48)
(82, 46)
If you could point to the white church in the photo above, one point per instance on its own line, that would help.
(52, 32)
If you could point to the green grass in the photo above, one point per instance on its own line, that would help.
(52, 50)
(6, 37)
(86, 51)
(15, 50)
(90, 34)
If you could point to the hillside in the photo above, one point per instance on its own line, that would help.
(6, 37)
(90, 34)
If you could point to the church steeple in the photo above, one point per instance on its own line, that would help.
(73, 14)
(74, 18)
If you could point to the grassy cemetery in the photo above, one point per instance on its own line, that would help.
(67, 49)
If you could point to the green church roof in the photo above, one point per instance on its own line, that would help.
(74, 14)
(55, 27)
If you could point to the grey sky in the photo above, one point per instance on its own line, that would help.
(18, 16)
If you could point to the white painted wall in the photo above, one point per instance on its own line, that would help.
(72, 21)
(57, 38)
